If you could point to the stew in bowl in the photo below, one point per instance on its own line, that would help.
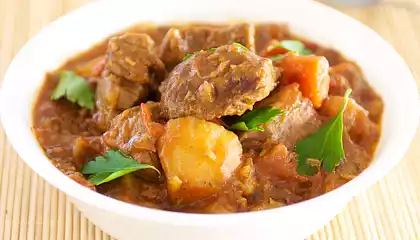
(209, 118)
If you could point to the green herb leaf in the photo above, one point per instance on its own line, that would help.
(326, 145)
(250, 121)
(188, 55)
(211, 50)
(240, 46)
(293, 46)
(75, 88)
(277, 57)
(305, 52)
(111, 166)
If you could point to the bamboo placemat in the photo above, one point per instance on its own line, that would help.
(32, 209)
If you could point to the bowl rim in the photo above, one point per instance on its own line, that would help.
(11, 120)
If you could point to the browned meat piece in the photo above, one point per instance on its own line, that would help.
(279, 163)
(87, 148)
(299, 120)
(278, 176)
(155, 111)
(190, 39)
(227, 81)
(134, 133)
(132, 68)
(349, 75)
(264, 33)
(113, 95)
(132, 57)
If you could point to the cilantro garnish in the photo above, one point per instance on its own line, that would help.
(240, 46)
(111, 166)
(75, 88)
(250, 121)
(211, 50)
(188, 55)
(326, 145)
(293, 46)
(277, 57)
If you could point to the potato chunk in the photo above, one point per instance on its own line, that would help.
(197, 157)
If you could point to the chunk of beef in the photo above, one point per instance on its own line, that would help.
(155, 111)
(349, 75)
(134, 133)
(299, 120)
(132, 68)
(190, 39)
(226, 81)
(115, 94)
(132, 56)
(264, 33)
(278, 177)
(277, 161)
(87, 148)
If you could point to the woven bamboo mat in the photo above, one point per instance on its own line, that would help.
(32, 209)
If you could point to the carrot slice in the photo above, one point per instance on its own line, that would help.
(270, 51)
(311, 72)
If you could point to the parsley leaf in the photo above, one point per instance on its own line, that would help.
(250, 121)
(211, 50)
(277, 57)
(305, 52)
(188, 55)
(326, 145)
(293, 46)
(111, 166)
(75, 88)
(241, 46)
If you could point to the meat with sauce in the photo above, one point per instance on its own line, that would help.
(132, 56)
(348, 75)
(226, 81)
(181, 122)
(181, 41)
(132, 70)
(264, 33)
(299, 120)
(134, 133)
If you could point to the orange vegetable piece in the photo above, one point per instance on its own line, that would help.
(310, 72)
(269, 50)
(198, 157)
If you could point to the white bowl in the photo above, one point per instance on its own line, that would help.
(79, 30)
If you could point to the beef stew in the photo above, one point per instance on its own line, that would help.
(209, 119)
